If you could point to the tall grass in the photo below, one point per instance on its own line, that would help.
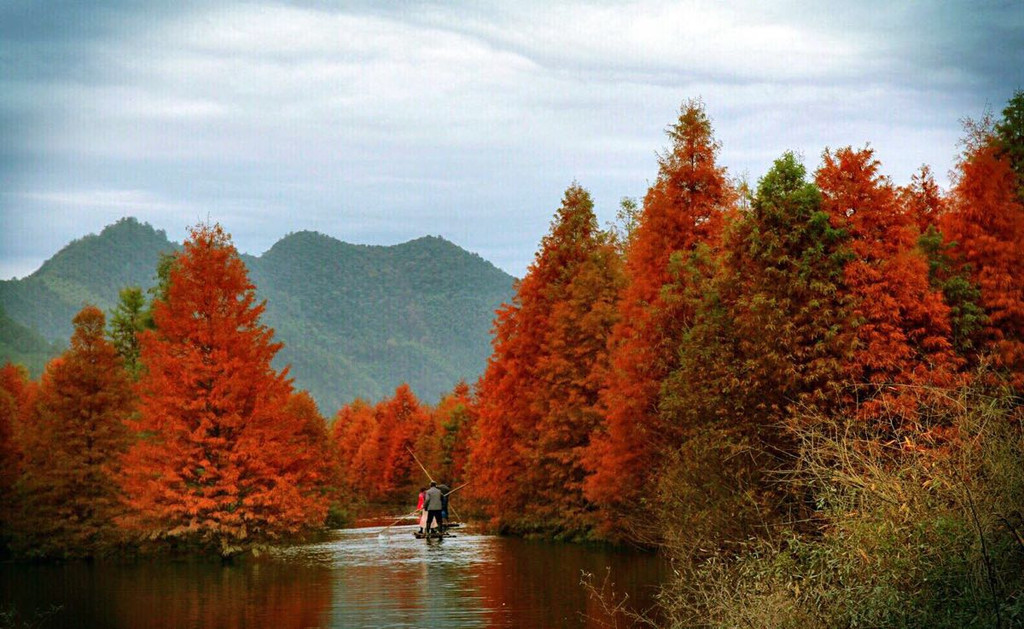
(924, 530)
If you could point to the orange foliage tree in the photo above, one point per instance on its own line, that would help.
(312, 465)
(770, 329)
(15, 392)
(356, 451)
(925, 205)
(401, 421)
(902, 323)
(537, 398)
(72, 443)
(455, 419)
(921, 201)
(220, 462)
(373, 446)
(683, 209)
(14, 386)
(986, 225)
(768, 336)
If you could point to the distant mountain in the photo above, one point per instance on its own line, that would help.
(359, 320)
(356, 320)
(88, 270)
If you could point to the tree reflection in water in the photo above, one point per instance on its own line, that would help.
(356, 578)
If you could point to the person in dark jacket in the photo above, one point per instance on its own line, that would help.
(433, 502)
(445, 490)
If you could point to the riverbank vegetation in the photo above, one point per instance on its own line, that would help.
(805, 391)
(922, 533)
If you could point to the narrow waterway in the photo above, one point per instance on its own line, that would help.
(360, 577)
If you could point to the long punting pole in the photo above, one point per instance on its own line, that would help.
(415, 458)
(456, 489)
(413, 512)
(420, 464)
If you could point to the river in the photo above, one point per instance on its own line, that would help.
(359, 577)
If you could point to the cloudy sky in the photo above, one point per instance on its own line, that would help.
(381, 124)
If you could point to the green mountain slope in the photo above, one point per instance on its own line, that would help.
(89, 270)
(356, 320)
(359, 320)
(19, 344)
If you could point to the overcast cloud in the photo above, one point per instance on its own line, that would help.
(378, 125)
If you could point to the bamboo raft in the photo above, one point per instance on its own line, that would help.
(435, 535)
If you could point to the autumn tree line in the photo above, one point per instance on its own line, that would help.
(170, 431)
(808, 391)
(661, 369)
(649, 382)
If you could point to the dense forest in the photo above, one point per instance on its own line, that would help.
(805, 391)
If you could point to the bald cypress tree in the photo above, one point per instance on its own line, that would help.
(536, 401)
(776, 328)
(902, 324)
(986, 224)
(127, 321)
(682, 210)
(69, 491)
(769, 335)
(218, 460)
(16, 391)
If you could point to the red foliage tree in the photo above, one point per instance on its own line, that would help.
(768, 331)
(69, 491)
(15, 382)
(309, 466)
(986, 223)
(373, 446)
(455, 418)
(353, 436)
(683, 209)
(767, 342)
(902, 323)
(925, 205)
(401, 420)
(217, 460)
(921, 200)
(537, 397)
(14, 395)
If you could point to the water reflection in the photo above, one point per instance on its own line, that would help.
(166, 594)
(366, 577)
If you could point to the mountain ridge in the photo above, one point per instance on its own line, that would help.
(356, 320)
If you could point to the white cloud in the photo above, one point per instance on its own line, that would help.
(466, 120)
(116, 200)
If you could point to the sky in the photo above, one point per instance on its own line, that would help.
(377, 123)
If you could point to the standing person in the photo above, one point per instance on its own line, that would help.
(432, 502)
(419, 507)
(445, 490)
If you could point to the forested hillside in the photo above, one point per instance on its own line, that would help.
(360, 320)
(92, 270)
(356, 320)
(21, 345)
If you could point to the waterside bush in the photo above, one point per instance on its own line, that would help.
(912, 533)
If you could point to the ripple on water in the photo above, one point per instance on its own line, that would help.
(389, 578)
(365, 577)
(394, 546)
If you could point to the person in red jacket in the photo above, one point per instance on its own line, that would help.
(419, 507)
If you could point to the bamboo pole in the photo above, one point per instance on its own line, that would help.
(420, 464)
(422, 467)
(385, 529)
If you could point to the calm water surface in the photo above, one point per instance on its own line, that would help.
(361, 577)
